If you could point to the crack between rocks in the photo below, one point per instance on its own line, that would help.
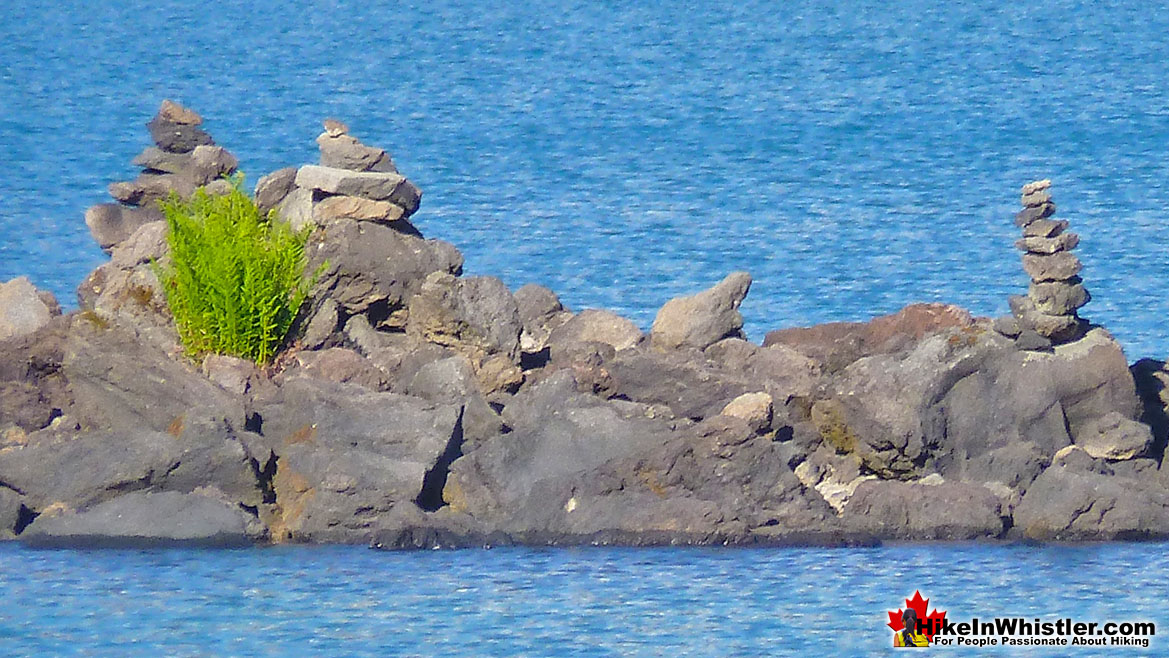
(429, 499)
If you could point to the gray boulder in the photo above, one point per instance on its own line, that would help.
(336, 208)
(75, 472)
(594, 325)
(131, 297)
(145, 245)
(953, 398)
(296, 208)
(111, 223)
(121, 382)
(398, 355)
(1066, 503)
(1059, 297)
(338, 365)
(274, 188)
(1036, 397)
(1014, 465)
(780, 370)
(22, 309)
(210, 163)
(234, 374)
(1057, 328)
(452, 380)
(910, 510)
(216, 457)
(556, 433)
(32, 390)
(370, 266)
(476, 315)
(11, 505)
(1048, 245)
(1054, 267)
(345, 455)
(155, 160)
(540, 313)
(1115, 437)
(703, 319)
(148, 189)
(578, 470)
(147, 520)
(689, 387)
(322, 326)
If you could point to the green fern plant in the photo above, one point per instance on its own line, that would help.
(236, 279)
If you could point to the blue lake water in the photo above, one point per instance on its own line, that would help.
(555, 602)
(854, 158)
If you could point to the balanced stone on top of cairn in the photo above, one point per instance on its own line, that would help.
(1047, 314)
(183, 158)
(352, 182)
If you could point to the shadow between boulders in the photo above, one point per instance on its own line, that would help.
(430, 497)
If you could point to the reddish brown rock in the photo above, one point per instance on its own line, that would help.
(839, 343)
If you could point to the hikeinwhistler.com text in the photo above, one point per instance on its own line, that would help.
(1017, 631)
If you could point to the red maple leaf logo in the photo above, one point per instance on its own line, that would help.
(919, 606)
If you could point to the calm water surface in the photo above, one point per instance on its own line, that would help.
(553, 602)
(853, 158)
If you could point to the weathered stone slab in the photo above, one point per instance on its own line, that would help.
(1028, 215)
(1036, 186)
(143, 520)
(333, 208)
(177, 137)
(1059, 328)
(1037, 245)
(379, 186)
(157, 160)
(346, 152)
(151, 187)
(1055, 267)
(1045, 228)
(1036, 198)
(1059, 297)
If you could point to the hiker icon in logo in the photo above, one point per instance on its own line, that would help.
(910, 635)
(912, 626)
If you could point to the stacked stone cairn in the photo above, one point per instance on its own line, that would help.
(352, 182)
(1047, 314)
(183, 158)
(126, 289)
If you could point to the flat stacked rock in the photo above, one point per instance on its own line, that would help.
(352, 182)
(1047, 314)
(183, 158)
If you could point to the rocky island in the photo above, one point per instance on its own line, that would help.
(413, 407)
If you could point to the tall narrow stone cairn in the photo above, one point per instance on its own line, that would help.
(183, 158)
(352, 182)
(1047, 314)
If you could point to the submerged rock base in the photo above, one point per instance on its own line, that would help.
(415, 407)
